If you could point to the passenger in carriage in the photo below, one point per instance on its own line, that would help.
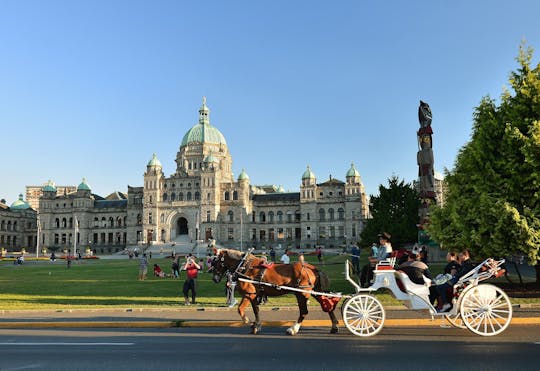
(384, 252)
(453, 265)
(415, 269)
(466, 265)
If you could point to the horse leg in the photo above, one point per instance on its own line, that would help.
(334, 329)
(302, 306)
(242, 308)
(256, 325)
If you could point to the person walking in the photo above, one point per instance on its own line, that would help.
(192, 270)
(176, 266)
(230, 286)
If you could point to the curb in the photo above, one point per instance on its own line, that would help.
(412, 322)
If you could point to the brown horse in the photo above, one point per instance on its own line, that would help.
(300, 275)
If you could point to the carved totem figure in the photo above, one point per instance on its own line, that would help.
(425, 161)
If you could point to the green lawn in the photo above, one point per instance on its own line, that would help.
(113, 283)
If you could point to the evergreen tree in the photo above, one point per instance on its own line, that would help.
(394, 210)
(492, 205)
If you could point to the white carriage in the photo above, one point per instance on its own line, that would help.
(483, 308)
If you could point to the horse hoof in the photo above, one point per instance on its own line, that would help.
(255, 329)
(291, 332)
(334, 330)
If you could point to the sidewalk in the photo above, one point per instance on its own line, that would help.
(194, 316)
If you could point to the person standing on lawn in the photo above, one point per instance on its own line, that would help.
(192, 270)
(143, 267)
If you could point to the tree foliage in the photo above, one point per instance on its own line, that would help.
(394, 210)
(492, 204)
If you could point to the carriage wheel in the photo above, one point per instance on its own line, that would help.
(363, 315)
(486, 310)
(455, 320)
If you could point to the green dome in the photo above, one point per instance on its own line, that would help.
(20, 204)
(352, 171)
(243, 175)
(83, 186)
(154, 161)
(308, 174)
(49, 187)
(203, 132)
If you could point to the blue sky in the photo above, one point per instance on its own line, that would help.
(93, 88)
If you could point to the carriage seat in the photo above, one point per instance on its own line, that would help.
(405, 284)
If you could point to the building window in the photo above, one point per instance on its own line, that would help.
(181, 196)
(150, 221)
(280, 216)
(341, 214)
(331, 214)
(230, 215)
(165, 197)
(188, 196)
(322, 216)
(227, 196)
(271, 217)
(208, 216)
(235, 195)
(230, 234)
(271, 234)
(262, 235)
(262, 217)
(173, 196)
(297, 216)
(197, 196)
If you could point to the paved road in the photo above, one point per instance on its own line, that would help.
(232, 349)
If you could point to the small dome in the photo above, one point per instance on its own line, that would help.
(308, 174)
(49, 187)
(243, 175)
(154, 161)
(210, 159)
(20, 204)
(352, 171)
(83, 186)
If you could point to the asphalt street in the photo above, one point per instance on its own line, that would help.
(314, 348)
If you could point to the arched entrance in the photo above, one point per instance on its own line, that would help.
(181, 226)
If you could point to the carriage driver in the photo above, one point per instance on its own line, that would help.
(384, 251)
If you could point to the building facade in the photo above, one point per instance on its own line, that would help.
(201, 201)
(18, 226)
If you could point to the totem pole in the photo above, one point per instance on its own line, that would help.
(425, 166)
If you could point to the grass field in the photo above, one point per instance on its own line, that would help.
(113, 283)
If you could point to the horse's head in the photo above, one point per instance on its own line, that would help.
(225, 261)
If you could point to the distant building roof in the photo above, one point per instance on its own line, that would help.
(271, 197)
(107, 204)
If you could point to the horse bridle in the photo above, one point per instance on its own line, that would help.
(240, 268)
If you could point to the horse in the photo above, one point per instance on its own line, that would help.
(270, 278)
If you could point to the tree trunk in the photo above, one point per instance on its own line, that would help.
(537, 269)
